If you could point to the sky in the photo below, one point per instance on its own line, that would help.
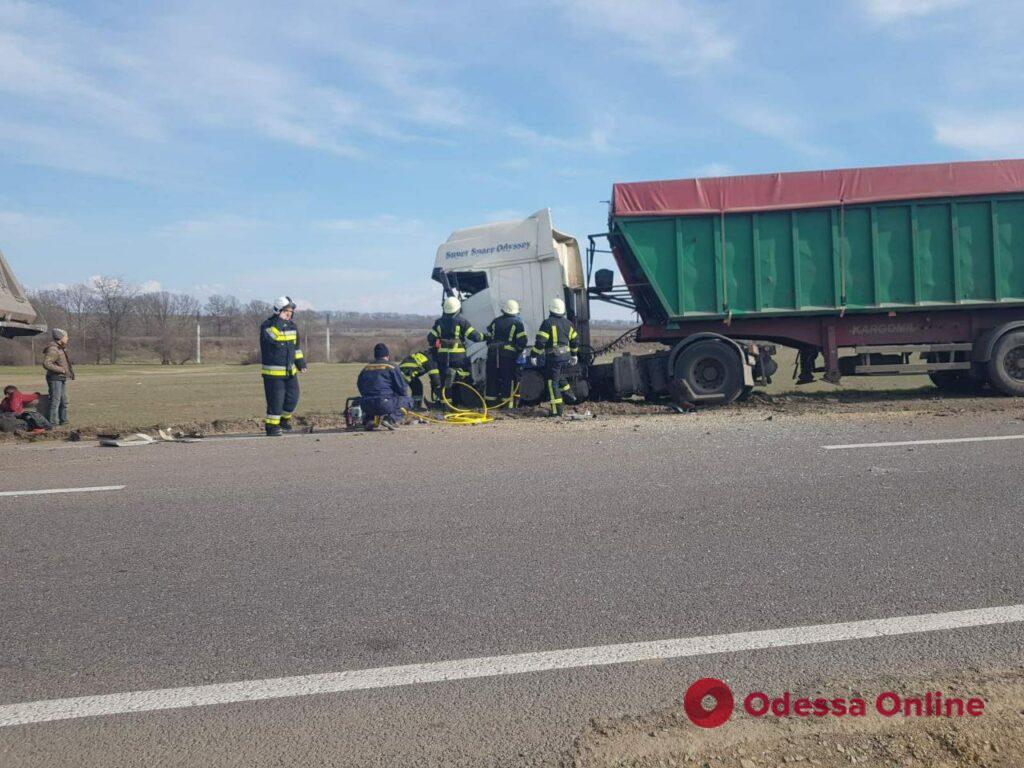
(325, 149)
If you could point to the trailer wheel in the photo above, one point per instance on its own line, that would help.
(956, 381)
(1006, 366)
(711, 369)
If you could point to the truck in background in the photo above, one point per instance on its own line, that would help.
(17, 316)
(880, 271)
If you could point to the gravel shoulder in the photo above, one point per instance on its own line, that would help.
(667, 738)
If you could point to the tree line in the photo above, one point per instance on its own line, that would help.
(108, 314)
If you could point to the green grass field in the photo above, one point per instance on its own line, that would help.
(145, 395)
(121, 396)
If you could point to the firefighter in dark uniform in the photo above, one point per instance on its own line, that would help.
(558, 341)
(281, 360)
(448, 338)
(506, 336)
(415, 366)
(382, 391)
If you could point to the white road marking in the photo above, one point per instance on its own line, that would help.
(923, 442)
(494, 666)
(89, 489)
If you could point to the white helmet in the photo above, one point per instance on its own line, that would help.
(282, 303)
(451, 305)
(510, 307)
(556, 307)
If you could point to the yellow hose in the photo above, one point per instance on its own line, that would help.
(463, 416)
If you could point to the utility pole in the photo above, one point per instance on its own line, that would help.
(327, 344)
(199, 341)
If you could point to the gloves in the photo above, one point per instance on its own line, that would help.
(573, 360)
(533, 361)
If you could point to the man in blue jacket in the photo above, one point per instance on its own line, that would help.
(382, 390)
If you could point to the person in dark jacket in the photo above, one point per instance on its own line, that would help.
(59, 371)
(281, 360)
(382, 391)
(448, 338)
(414, 367)
(559, 343)
(506, 337)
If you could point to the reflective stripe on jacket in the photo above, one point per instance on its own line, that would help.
(418, 364)
(280, 352)
(557, 337)
(509, 331)
(452, 331)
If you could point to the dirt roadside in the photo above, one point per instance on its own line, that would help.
(926, 401)
(667, 738)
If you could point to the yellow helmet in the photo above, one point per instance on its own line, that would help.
(451, 305)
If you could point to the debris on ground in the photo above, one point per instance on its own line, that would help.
(132, 441)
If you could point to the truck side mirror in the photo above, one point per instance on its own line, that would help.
(603, 280)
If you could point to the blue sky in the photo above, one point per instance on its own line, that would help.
(325, 149)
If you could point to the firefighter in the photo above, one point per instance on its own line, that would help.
(382, 391)
(282, 359)
(417, 365)
(507, 339)
(558, 341)
(448, 338)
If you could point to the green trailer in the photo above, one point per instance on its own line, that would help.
(890, 270)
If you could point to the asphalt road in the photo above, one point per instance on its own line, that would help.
(234, 560)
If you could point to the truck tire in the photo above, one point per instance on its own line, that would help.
(712, 370)
(1006, 366)
(956, 381)
(531, 387)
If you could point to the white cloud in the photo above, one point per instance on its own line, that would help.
(222, 225)
(774, 123)
(596, 139)
(383, 224)
(19, 225)
(150, 286)
(679, 36)
(714, 169)
(888, 11)
(999, 134)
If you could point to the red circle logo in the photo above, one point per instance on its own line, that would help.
(693, 702)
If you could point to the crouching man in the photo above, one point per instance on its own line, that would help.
(382, 391)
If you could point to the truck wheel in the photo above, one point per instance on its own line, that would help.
(711, 368)
(1006, 366)
(531, 387)
(956, 381)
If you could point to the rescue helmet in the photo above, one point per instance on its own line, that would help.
(510, 307)
(451, 305)
(556, 306)
(282, 303)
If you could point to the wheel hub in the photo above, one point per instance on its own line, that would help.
(1014, 363)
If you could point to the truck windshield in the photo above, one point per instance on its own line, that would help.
(468, 283)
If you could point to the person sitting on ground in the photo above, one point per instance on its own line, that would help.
(382, 391)
(14, 403)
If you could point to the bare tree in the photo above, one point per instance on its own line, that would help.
(224, 311)
(168, 317)
(116, 299)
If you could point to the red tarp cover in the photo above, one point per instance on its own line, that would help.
(816, 189)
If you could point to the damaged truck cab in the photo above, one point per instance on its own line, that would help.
(526, 260)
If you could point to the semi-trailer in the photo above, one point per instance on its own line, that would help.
(879, 271)
(17, 316)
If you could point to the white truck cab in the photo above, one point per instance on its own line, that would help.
(526, 260)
